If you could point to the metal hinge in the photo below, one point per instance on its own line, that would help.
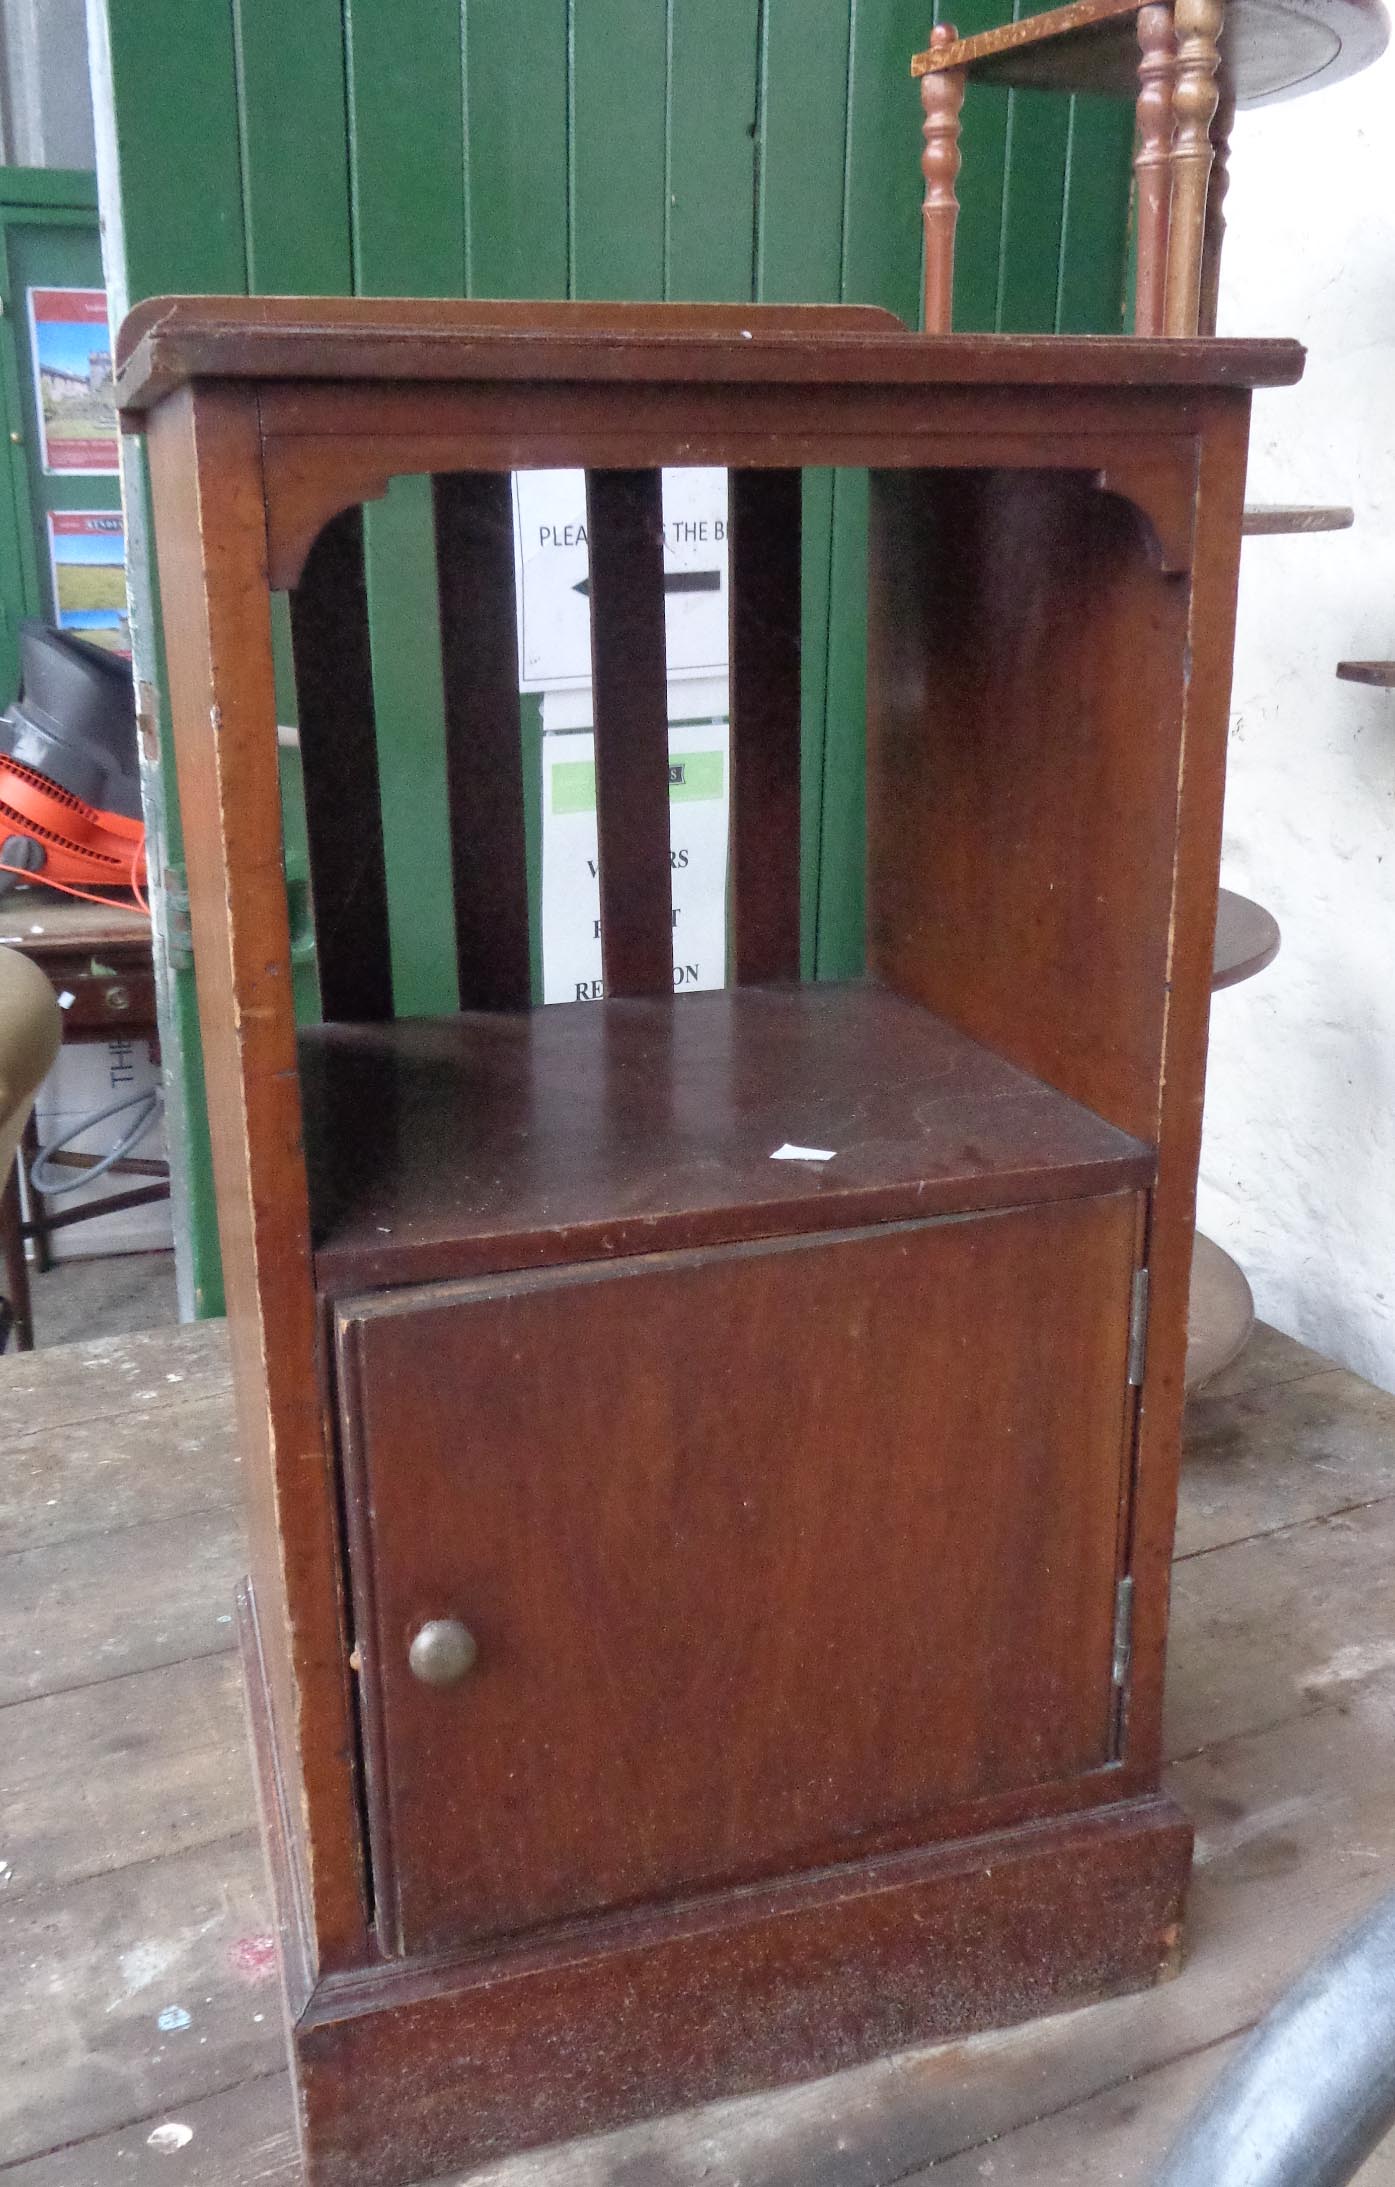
(1138, 1327)
(1123, 1631)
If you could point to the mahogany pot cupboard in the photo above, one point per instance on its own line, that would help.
(707, 1612)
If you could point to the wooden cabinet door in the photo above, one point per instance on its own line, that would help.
(769, 1552)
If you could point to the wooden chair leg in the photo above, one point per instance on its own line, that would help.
(941, 97)
(1215, 211)
(16, 1268)
(1152, 164)
(1194, 100)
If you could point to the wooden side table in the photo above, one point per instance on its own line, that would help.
(97, 955)
(712, 1458)
(97, 959)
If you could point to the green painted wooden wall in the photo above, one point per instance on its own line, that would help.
(684, 149)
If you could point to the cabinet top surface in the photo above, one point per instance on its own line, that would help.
(169, 341)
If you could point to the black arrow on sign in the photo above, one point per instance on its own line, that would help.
(674, 581)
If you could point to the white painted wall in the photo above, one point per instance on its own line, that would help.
(1298, 1162)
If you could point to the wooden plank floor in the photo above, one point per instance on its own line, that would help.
(139, 2022)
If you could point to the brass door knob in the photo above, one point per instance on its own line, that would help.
(442, 1652)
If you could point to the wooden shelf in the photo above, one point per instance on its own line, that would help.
(1380, 674)
(406, 341)
(443, 1147)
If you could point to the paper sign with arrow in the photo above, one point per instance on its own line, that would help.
(554, 580)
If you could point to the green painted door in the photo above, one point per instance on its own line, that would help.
(683, 149)
(48, 243)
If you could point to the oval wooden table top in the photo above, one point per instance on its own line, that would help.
(1270, 49)
(1247, 939)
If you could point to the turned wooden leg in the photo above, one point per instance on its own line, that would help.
(941, 96)
(1152, 163)
(1215, 211)
(1194, 100)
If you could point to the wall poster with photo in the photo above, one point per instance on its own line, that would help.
(71, 346)
(87, 555)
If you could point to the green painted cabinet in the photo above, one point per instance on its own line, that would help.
(684, 149)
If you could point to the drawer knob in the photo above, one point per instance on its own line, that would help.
(442, 1652)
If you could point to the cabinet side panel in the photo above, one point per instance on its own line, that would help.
(1047, 724)
(206, 468)
(1025, 700)
(1210, 639)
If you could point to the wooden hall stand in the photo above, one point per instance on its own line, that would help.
(707, 1613)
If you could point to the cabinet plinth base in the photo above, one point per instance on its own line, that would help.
(407, 2070)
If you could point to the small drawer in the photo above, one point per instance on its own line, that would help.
(118, 999)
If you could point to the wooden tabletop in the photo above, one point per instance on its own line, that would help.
(1270, 49)
(169, 340)
(44, 924)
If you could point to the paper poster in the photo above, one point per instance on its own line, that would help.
(72, 381)
(87, 553)
(699, 773)
(552, 575)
